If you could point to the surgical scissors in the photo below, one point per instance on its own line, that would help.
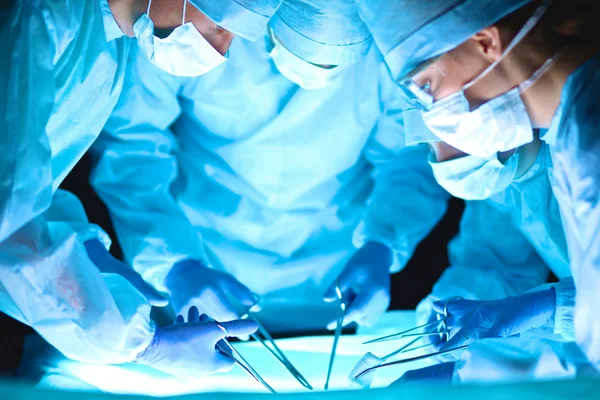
(440, 328)
(338, 330)
(407, 360)
(270, 345)
(226, 348)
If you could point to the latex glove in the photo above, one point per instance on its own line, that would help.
(365, 282)
(187, 349)
(510, 316)
(441, 373)
(106, 263)
(192, 284)
(434, 341)
(452, 324)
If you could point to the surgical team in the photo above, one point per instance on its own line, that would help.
(260, 154)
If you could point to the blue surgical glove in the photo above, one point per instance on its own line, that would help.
(106, 263)
(190, 283)
(441, 373)
(435, 341)
(510, 316)
(365, 281)
(187, 349)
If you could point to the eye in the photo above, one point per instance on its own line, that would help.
(426, 87)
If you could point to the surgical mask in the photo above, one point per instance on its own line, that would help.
(499, 125)
(185, 52)
(304, 74)
(474, 178)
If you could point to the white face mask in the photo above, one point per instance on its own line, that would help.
(185, 52)
(473, 178)
(304, 74)
(501, 124)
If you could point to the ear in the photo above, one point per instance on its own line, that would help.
(488, 42)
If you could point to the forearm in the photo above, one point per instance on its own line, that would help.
(48, 282)
(152, 229)
(405, 205)
(67, 208)
(135, 164)
(487, 263)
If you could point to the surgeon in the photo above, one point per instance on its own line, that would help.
(489, 74)
(61, 74)
(271, 178)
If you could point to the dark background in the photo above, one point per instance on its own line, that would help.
(408, 286)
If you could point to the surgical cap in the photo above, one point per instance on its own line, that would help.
(328, 32)
(245, 18)
(409, 32)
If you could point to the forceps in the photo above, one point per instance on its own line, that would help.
(338, 330)
(436, 328)
(270, 345)
(226, 348)
(407, 360)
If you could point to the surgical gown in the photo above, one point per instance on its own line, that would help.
(61, 72)
(575, 147)
(249, 173)
(488, 262)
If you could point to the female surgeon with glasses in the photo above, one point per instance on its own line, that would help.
(487, 80)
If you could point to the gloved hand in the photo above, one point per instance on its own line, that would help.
(106, 263)
(436, 340)
(187, 349)
(473, 320)
(365, 281)
(441, 373)
(192, 284)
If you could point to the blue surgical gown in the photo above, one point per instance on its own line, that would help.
(61, 72)
(249, 173)
(574, 141)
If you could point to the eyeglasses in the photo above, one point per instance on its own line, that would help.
(419, 96)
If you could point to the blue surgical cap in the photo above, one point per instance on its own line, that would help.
(328, 32)
(245, 18)
(409, 32)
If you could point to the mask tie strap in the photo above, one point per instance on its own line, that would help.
(148, 9)
(184, 11)
(538, 74)
(529, 25)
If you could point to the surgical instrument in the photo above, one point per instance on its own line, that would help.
(370, 360)
(270, 345)
(227, 349)
(440, 328)
(407, 360)
(338, 330)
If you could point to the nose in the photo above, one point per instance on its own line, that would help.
(221, 40)
(445, 152)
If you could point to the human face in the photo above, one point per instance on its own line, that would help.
(487, 114)
(449, 73)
